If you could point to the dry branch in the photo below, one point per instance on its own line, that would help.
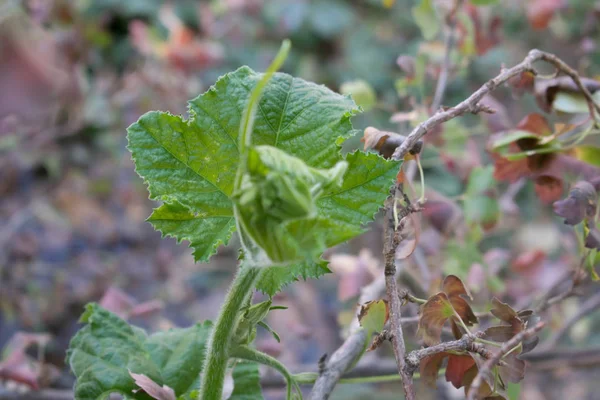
(471, 104)
(495, 359)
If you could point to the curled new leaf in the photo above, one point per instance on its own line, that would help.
(579, 205)
(276, 201)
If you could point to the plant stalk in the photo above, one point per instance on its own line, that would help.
(217, 350)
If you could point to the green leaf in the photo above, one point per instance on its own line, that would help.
(588, 154)
(362, 93)
(512, 137)
(246, 382)
(373, 316)
(483, 2)
(481, 180)
(425, 17)
(104, 351)
(573, 103)
(273, 279)
(190, 165)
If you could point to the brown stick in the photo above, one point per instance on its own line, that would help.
(471, 104)
(495, 359)
(391, 242)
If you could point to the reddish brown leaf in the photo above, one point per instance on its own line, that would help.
(484, 389)
(528, 260)
(456, 291)
(430, 366)
(512, 369)
(540, 12)
(535, 123)
(522, 83)
(509, 171)
(434, 313)
(579, 205)
(548, 188)
(457, 366)
(500, 333)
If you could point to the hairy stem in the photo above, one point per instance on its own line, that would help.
(217, 351)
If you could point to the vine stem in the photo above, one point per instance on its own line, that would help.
(217, 350)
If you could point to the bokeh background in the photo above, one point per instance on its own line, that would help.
(74, 74)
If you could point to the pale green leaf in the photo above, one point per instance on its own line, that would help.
(588, 154)
(373, 316)
(104, 351)
(573, 103)
(483, 2)
(426, 19)
(363, 94)
(512, 137)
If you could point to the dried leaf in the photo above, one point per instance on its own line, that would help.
(411, 234)
(386, 142)
(456, 291)
(579, 205)
(430, 366)
(535, 123)
(434, 313)
(548, 188)
(152, 388)
(457, 367)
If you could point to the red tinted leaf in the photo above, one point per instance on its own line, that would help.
(548, 188)
(528, 260)
(434, 313)
(458, 365)
(535, 123)
(579, 205)
(522, 83)
(430, 366)
(456, 291)
(509, 171)
(540, 12)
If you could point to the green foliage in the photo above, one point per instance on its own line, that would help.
(107, 349)
(190, 165)
(425, 17)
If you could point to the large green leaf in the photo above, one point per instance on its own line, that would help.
(190, 165)
(246, 382)
(107, 349)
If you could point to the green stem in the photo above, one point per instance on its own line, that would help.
(488, 342)
(250, 354)
(217, 350)
(308, 378)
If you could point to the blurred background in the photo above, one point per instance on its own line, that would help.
(75, 73)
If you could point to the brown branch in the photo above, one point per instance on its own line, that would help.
(471, 104)
(495, 359)
(391, 242)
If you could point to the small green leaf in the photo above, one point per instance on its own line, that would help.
(481, 180)
(425, 17)
(103, 353)
(373, 315)
(362, 93)
(588, 154)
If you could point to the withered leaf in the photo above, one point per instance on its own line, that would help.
(386, 142)
(548, 188)
(434, 313)
(457, 367)
(579, 205)
(430, 366)
(456, 291)
(152, 388)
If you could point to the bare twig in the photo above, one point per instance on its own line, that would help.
(589, 306)
(391, 242)
(471, 104)
(442, 82)
(495, 359)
